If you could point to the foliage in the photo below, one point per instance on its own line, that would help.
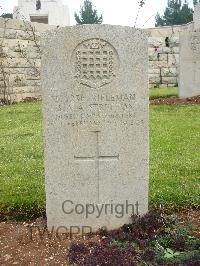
(140, 243)
(88, 15)
(7, 15)
(170, 254)
(94, 254)
(175, 13)
(141, 3)
(176, 245)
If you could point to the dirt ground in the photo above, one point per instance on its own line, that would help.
(27, 243)
(173, 100)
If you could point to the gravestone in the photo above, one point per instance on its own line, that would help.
(196, 17)
(94, 80)
(189, 79)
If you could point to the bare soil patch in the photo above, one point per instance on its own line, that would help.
(174, 100)
(20, 246)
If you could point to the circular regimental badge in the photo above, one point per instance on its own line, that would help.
(96, 63)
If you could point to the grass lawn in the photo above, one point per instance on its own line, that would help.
(21, 158)
(163, 92)
(174, 157)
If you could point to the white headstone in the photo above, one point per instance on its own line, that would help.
(94, 80)
(51, 12)
(197, 17)
(189, 78)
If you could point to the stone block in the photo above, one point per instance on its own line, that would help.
(169, 72)
(154, 79)
(169, 80)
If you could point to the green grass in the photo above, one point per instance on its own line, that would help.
(21, 158)
(163, 92)
(174, 157)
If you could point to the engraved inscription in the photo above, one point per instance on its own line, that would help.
(90, 109)
(96, 63)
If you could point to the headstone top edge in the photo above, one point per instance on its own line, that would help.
(51, 32)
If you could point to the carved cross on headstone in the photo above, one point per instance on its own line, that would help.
(97, 158)
(38, 4)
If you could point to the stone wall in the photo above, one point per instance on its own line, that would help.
(163, 62)
(164, 55)
(20, 58)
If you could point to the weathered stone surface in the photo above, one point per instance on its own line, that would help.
(158, 64)
(156, 42)
(26, 89)
(189, 80)
(169, 80)
(20, 62)
(29, 72)
(154, 71)
(174, 42)
(24, 25)
(173, 60)
(10, 34)
(172, 85)
(17, 97)
(94, 81)
(169, 72)
(154, 57)
(176, 50)
(18, 80)
(20, 55)
(168, 31)
(162, 57)
(197, 17)
(154, 79)
(151, 51)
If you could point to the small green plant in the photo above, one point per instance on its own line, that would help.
(175, 244)
(193, 255)
(170, 254)
(122, 244)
